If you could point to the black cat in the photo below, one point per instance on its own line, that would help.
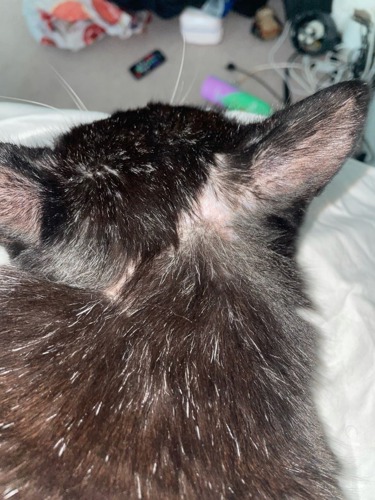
(150, 344)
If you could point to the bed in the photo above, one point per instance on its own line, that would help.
(337, 252)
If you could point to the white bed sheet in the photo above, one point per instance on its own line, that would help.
(337, 251)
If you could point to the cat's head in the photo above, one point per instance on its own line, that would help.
(118, 192)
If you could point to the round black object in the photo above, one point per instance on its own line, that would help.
(314, 32)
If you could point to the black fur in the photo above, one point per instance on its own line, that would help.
(150, 344)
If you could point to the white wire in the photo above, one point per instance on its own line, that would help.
(278, 65)
(300, 81)
(182, 101)
(314, 74)
(370, 63)
(370, 54)
(306, 81)
(180, 70)
(272, 53)
(320, 73)
(310, 72)
(265, 67)
(371, 72)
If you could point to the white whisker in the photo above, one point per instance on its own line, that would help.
(75, 98)
(180, 70)
(181, 89)
(189, 89)
(26, 100)
(198, 65)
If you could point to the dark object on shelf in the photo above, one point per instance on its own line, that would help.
(163, 8)
(295, 7)
(314, 32)
(248, 8)
(266, 25)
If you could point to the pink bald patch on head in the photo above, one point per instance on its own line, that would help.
(19, 205)
(212, 212)
(114, 290)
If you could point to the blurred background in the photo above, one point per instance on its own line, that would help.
(242, 54)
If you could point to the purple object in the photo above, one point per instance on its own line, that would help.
(220, 92)
(213, 89)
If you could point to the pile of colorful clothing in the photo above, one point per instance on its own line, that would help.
(74, 24)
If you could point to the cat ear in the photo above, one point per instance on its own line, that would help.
(20, 197)
(302, 147)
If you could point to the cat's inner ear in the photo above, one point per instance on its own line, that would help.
(302, 147)
(20, 207)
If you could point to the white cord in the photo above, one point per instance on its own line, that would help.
(300, 81)
(265, 67)
(370, 53)
(310, 72)
(313, 73)
(180, 70)
(272, 53)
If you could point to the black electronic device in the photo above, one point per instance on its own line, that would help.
(149, 62)
(314, 33)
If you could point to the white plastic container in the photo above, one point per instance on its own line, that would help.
(200, 28)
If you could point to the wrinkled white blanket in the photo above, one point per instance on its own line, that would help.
(337, 251)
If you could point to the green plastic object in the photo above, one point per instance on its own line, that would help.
(223, 93)
(242, 101)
